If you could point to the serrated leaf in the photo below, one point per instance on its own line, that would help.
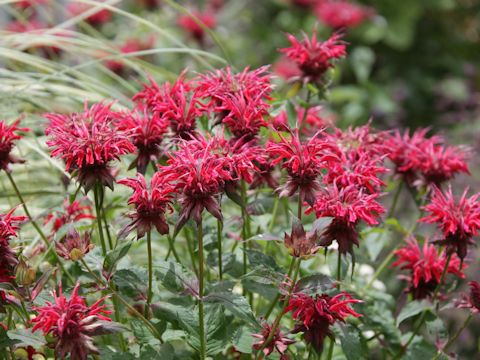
(26, 337)
(235, 303)
(131, 282)
(259, 259)
(351, 342)
(314, 284)
(243, 339)
(413, 308)
(420, 350)
(5, 341)
(177, 278)
(142, 333)
(114, 256)
(160, 352)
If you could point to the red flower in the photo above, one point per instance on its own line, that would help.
(426, 267)
(347, 206)
(286, 69)
(150, 202)
(71, 213)
(304, 162)
(316, 315)
(24, 4)
(195, 25)
(175, 104)
(88, 142)
(73, 246)
(130, 46)
(339, 14)
(199, 176)
(472, 300)
(146, 132)
(459, 221)
(98, 17)
(72, 323)
(314, 57)
(8, 136)
(279, 342)
(309, 124)
(354, 142)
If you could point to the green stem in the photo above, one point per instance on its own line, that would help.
(150, 275)
(339, 269)
(171, 249)
(274, 214)
(201, 323)
(37, 228)
(330, 349)
(381, 268)
(274, 302)
(219, 243)
(98, 213)
(454, 337)
(190, 249)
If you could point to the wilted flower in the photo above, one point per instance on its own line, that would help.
(98, 17)
(347, 206)
(8, 136)
(74, 246)
(425, 266)
(316, 315)
(303, 161)
(340, 14)
(314, 57)
(71, 213)
(301, 243)
(88, 142)
(458, 221)
(151, 203)
(278, 342)
(146, 133)
(472, 300)
(196, 24)
(72, 323)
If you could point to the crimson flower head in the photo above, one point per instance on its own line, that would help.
(316, 315)
(199, 175)
(472, 300)
(88, 142)
(279, 341)
(356, 141)
(146, 133)
(174, 103)
(425, 266)
(8, 136)
(347, 206)
(151, 203)
(341, 14)
(309, 123)
(286, 68)
(74, 246)
(99, 16)
(459, 220)
(304, 162)
(71, 213)
(314, 57)
(130, 46)
(195, 25)
(72, 323)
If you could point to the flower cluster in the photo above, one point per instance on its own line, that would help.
(196, 23)
(72, 212)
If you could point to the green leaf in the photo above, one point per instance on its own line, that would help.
(420, 350)
(26, 337)
(177, 278)
(259, 259)
(362, 59)
(5, 341)
(114, 256)
(243, 339)
(413, 308)
(161, 352)
(131, 282)
(235, 303)
(374, 240)
(352, 345)
(314, 284)
(142, 333)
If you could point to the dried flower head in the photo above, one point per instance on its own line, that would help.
(72, 323)
(301, 243)
(8, 136)
(151, 203)
(279, 341)
(88, 142)
(458, 221)
(74, 246)
(314, 57)
(316, 315)
(425, 266)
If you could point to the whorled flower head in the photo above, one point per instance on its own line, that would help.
(304, 162)
(425, 266)
(472, 300)
(279, 342)
(459, 220)
(8, 136)
(146, 133)
(88, 142)
(176, 103)
(199, 176)
(195, 25)
(74, 246)
(341, 14)
(72, 323)
(316, 315)
(72, 212)
(301, 243)
(314, 57)
(309, 123)
(150, 201)
(347, 206)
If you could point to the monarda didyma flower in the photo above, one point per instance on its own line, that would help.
(8, 136)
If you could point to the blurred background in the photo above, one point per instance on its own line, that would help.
(411, 63)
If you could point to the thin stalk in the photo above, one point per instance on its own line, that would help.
(274, 302)
(37, 228)
(150, 274)
(381, 268)
(330, 349)
(245, 230)
(219, 245)
(274, 214)
(98, 213)
(171, 249)
(454, 337)
(190, 250)
(201, 322)
(339, 269)
(101, 198)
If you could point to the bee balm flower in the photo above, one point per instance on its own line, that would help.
(8, 136)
